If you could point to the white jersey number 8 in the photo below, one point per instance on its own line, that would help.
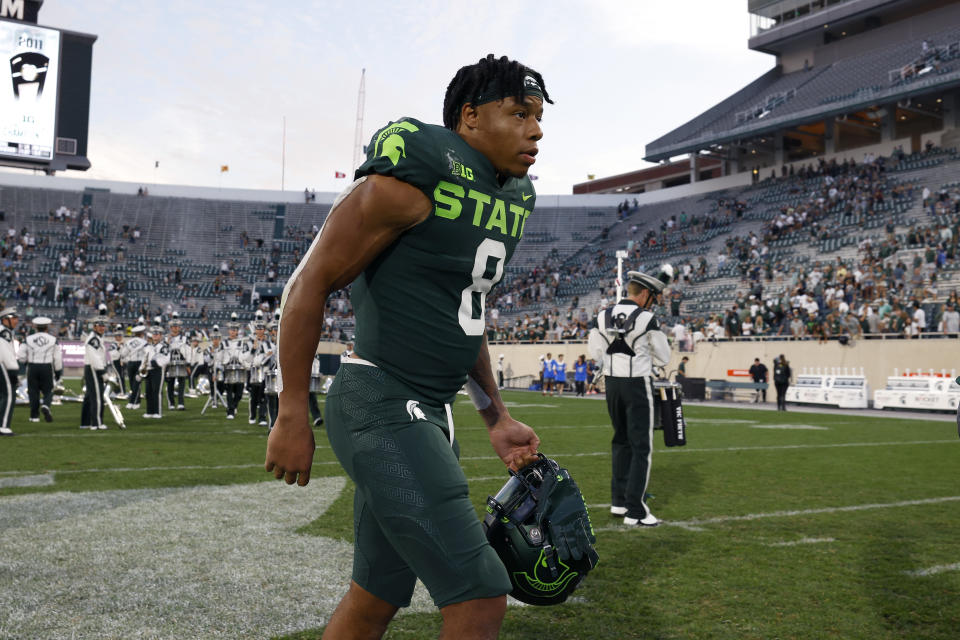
(481, 286)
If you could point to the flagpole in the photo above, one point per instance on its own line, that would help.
(283, 155)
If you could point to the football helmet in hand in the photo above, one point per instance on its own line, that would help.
(540, 527)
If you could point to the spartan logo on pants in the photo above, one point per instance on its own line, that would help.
(28, 68)
(414, 411)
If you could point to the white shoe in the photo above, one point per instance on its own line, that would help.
(252, 420)
(180, 407)
(263, 423)
(618, 511)
(45, 410)
(102, 427)
(229, 416)
(649, 521)
(170, 407)
(34, 419)
(135, 406)
(5, 431)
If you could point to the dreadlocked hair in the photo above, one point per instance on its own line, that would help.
(471, 79)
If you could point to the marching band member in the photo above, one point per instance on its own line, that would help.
(212, 362)
(117, 349)
(316, 386)
(41, 353)
(9, 368)
(195, 364)
(131, 355)
(260, 351)
(235, 358)
(176, 372)
(156, 355)
(270, 380)
(96, 359)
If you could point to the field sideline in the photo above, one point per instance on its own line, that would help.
(776, 525)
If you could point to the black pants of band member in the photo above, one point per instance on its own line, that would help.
(175, 387)
(132, 369)
(217, 387)
(630, 405)
(234, 395)
(39, 383)
(91, 415)
(314, 407)
(782, 395)
(258, 402)
(195, 374)
(273, 406)
(8, 396)
(153, 388)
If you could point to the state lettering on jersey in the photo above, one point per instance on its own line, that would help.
(41, 341)
(488, 212)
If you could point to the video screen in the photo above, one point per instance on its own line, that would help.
(29, 71)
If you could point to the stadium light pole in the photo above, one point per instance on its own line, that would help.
(283, 154)
(621, 254)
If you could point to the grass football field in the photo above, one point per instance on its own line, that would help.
(776, 525)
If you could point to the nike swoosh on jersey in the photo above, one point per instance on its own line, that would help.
(525, 196)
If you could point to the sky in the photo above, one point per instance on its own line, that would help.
(197, 85)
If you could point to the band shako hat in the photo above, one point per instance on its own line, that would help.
(9, 312)
(138, 329)
(41, 321)
(101, 317)
(655, 283)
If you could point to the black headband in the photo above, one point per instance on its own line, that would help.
(493, 91)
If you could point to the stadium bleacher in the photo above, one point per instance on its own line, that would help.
(202, 258)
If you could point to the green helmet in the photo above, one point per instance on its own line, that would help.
(519, 527)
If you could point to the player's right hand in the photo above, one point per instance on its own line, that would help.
(290, 449)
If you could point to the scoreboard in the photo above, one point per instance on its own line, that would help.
(28, 101)
(44, 92)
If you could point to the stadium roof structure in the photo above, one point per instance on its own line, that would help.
(886, 66)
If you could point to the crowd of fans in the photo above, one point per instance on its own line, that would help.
(888, 287)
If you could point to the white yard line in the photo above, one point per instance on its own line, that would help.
(697, 524)
(585, 454)
(793, 543)
(930, 571)
(663, 450)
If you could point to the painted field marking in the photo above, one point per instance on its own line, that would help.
(793, 543)
(41, 480)
(582, 454)
(697, 524)
(799, 427)
(931, 571)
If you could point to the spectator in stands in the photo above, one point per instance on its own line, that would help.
(919, 319)
(950, 320)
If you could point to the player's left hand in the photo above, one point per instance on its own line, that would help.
(514, 442)
(562, 510)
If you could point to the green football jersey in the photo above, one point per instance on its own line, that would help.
(419, 306)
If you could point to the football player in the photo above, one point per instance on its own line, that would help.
(423, 233)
